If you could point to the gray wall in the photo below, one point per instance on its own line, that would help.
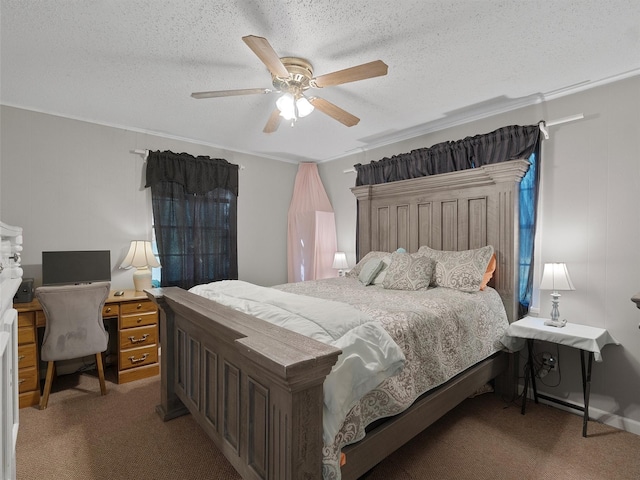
(590, 219)
(77, 185)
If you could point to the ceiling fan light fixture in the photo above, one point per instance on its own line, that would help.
(291, 77)
(291, 109)
(304, 106)
(286, 106)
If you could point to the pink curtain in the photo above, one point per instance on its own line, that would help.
(312, 228)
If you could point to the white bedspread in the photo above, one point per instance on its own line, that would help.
(369, 354)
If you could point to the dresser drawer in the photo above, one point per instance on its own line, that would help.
(137, 357)
(26, 319)
(138, 337)
(27, 355)
(148, 318)
(110, 310)
(27, 379)
(137, 307)
(26, 335)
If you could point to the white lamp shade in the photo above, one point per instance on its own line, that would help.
(140, 255)
(340, 261)
(304, 106)
(555, 276)
(291, 108)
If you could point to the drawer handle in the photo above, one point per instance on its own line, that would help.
(21, 381)
(108, 309)
(133, 359)
(133, 339)
(20, 358)
(139, 306)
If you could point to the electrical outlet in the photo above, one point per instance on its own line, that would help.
(548, 361)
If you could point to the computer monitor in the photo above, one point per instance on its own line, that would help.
(76, 267)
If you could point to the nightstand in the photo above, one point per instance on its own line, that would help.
(588, 340)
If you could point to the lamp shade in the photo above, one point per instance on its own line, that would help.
(293, 107)
(555, 276)
(340, 261)
(140, 255)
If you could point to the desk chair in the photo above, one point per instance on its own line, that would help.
(74, 327)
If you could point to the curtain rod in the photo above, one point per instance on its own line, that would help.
(145, 153)
(543, 125)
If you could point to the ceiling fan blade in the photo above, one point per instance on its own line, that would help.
(230, 93)
(376, 68)
(335, 112)
(267, 54)
(273, 123)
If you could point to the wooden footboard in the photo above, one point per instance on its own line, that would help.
(255, 388)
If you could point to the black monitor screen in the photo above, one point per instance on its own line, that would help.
(72, 267)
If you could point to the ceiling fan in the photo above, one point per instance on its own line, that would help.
(293, 76)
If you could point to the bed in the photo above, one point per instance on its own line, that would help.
(257, 388)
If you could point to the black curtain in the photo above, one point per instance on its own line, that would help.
(506, 143)
(194, 201)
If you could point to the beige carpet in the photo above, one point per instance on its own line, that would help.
(84, 436)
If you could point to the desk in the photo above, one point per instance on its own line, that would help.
(136, 340)
(588, 340)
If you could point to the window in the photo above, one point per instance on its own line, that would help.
(528, 196)
(194, 219)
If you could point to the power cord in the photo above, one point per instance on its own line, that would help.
(541, 363)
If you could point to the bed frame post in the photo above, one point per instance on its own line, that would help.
(363, 197)
(170, 405)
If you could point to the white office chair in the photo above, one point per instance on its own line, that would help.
(74, 327)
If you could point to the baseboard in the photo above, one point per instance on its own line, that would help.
(607, 418)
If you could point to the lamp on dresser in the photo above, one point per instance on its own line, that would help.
(141, 257)
(555, 276)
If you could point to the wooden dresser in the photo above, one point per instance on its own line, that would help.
(136, 341)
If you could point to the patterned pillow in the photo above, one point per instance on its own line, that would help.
(408, 272)
(463, 270)
(355, 271)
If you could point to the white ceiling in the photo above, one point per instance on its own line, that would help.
(134, 63)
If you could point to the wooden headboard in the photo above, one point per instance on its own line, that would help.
(452, 211)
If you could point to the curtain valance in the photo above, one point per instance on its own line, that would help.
(198, 175)
(506, 143)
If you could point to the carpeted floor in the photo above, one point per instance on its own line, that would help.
(83, 436)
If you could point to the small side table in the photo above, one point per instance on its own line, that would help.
(588, 340)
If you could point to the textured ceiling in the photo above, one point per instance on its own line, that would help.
(134, 63)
